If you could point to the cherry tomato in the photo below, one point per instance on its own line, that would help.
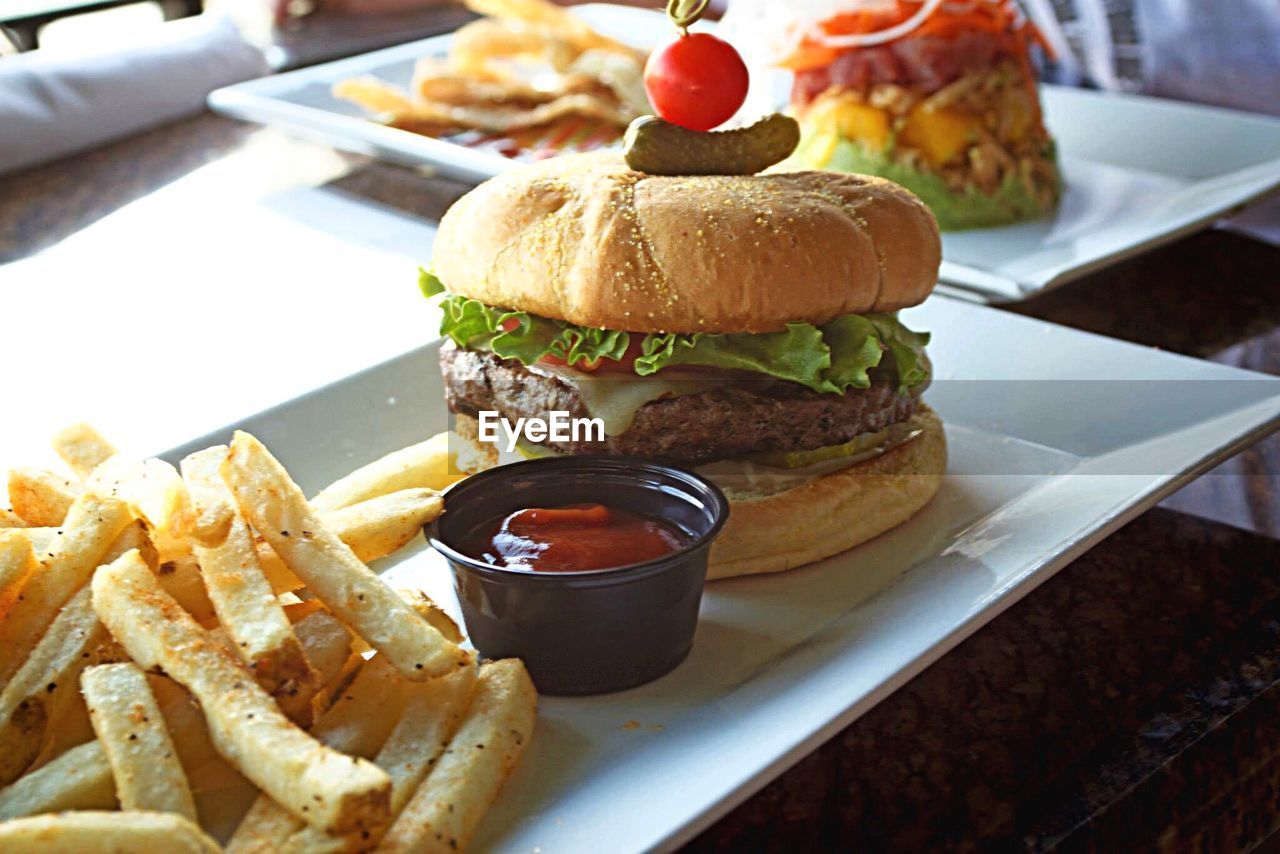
(698, 81)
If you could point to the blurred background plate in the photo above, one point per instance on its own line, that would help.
(300, 101)
(1139, 171)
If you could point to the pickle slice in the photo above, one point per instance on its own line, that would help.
(658, 147)
(865, 446)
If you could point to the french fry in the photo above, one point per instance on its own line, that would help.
(431, 612)
(41, 539)
(153, 488)
(241, 595)
(79, 779)
(445, 810)
(336, 793)
(91, 527)
(356, 724)
(41, 497)
(379, 526)
(105, 833)
(424, 465)
(276, 508)
(432, 712)
(132, 731)
(9, 519)
(182, 580)
(82, 448)
(46, 681)
(71, 728)
(136, 536)
(327, 646)
(17, 562)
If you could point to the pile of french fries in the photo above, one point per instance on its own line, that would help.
(529, 64)
(200, 653)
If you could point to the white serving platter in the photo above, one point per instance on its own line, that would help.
(1139, 171)
(1057, 438)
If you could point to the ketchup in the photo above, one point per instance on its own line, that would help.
(573, 538)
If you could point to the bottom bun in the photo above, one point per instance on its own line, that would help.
(818, 518)
(834, 512)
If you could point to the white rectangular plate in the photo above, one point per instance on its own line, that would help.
(1139, 171)
(1050, 451)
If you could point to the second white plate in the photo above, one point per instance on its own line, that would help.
(1139, 171)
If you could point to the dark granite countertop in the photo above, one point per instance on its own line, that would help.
(1131, 702)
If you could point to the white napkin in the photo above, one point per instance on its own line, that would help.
(52, 105)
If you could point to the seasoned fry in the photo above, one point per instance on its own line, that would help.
(424, 465)
(17, 562)
(41, 539)
(71, 727)
(336, 793)
(46, 681)
(41, 497)
(356, 724)
(91, 526)
(276, 508)
(132, 731)
(375, 528)
(181, 579)
(105, 833)
(359, 721)
(82, 448)
(431, 612)
(445, 810)
(432, 712)
(327, 645)
(9, 519)
(79, 779)
(246, 605)
(135, 536)
(153, 488)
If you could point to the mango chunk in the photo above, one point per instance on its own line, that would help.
(940, 134)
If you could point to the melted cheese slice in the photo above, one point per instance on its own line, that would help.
(615, 398)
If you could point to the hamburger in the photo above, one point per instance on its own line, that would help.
(741, 326)
(940, 98)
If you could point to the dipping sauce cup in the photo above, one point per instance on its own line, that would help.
(584, 632)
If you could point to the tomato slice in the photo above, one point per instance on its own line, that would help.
(627, 364)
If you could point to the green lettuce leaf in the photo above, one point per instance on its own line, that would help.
(905, 346)
(428, 283)
(798, 354)
(832, 358)
(856, 348)
(471, 323)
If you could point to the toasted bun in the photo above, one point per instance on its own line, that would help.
(832, 513)
(826, 515)
(583, 238)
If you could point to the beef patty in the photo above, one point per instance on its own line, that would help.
(742, 416)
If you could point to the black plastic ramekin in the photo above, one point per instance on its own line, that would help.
(584, 632)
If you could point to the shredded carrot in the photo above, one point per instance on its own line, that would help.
(998, 17)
